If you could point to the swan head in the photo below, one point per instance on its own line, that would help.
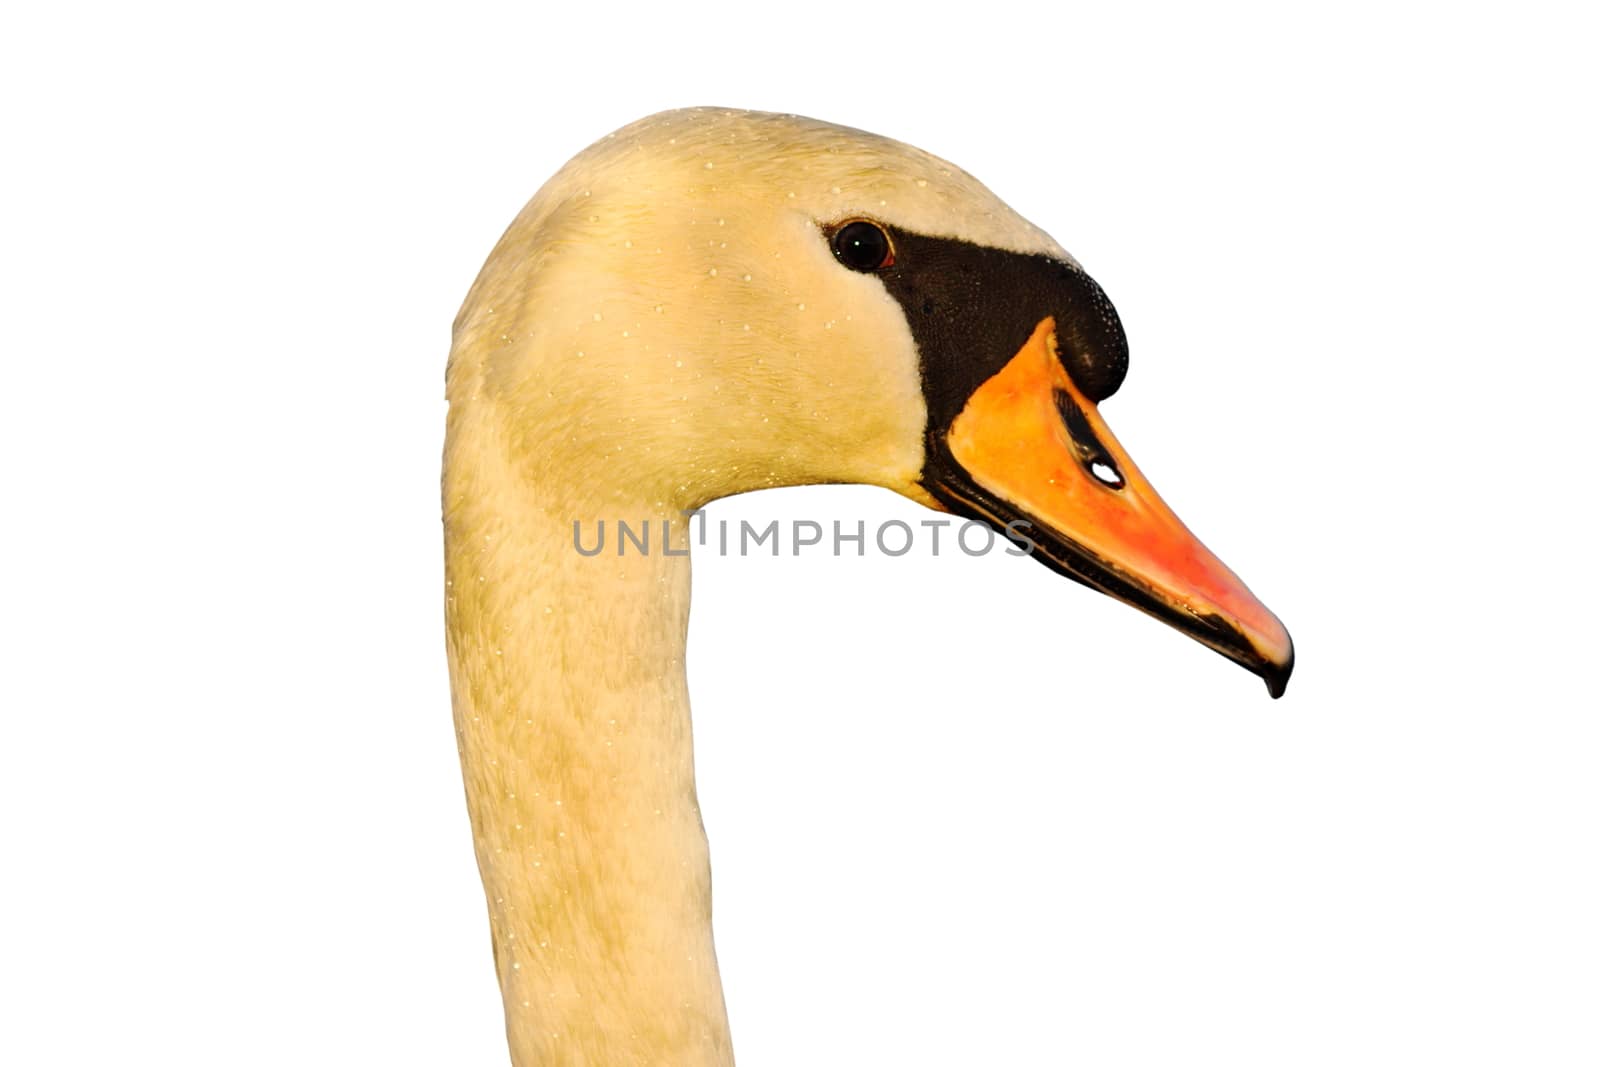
(708, 302)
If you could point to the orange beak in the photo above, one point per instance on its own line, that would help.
(1033, 452)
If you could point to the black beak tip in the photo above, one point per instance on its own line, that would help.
(1276, 675)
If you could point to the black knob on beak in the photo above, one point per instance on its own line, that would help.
(1089, 337)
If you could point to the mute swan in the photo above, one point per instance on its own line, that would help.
(703, 303)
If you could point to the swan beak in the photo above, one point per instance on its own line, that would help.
(1032, 454)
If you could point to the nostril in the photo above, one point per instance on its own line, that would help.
(1106, 474)
(1093, 456)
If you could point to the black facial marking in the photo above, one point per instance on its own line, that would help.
(971, 308)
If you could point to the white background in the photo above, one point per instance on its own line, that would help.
(961, 811)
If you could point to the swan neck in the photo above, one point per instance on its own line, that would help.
(572, 716)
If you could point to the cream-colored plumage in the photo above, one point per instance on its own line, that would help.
(662, 325)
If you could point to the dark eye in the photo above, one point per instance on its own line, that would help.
(862, 246)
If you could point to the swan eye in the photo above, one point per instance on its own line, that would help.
(862, 246)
